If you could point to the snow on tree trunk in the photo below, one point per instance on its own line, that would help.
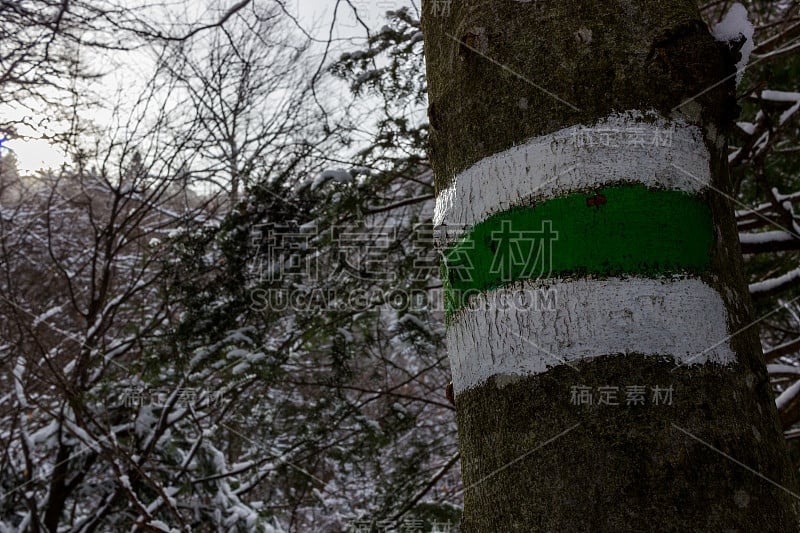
(606, 371)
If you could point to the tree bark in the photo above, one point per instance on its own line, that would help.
(594, 134)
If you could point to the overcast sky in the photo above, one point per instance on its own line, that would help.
(319, 13)
(314, 16)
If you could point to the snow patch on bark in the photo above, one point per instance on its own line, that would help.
(735, 25)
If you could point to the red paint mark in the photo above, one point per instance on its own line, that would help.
(596, 201)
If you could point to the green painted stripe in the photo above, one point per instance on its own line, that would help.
(619, 230)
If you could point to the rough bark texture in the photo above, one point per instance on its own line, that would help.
(713, 460)
(597, 57)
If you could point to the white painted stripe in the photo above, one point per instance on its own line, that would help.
(513, 331)
(623, 148)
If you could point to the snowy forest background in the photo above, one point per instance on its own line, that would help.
(223, 312)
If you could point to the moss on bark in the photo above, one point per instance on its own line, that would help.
(650, 467)
(622, 468)
(502, 72)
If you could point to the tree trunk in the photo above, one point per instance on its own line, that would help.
(607, 372)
